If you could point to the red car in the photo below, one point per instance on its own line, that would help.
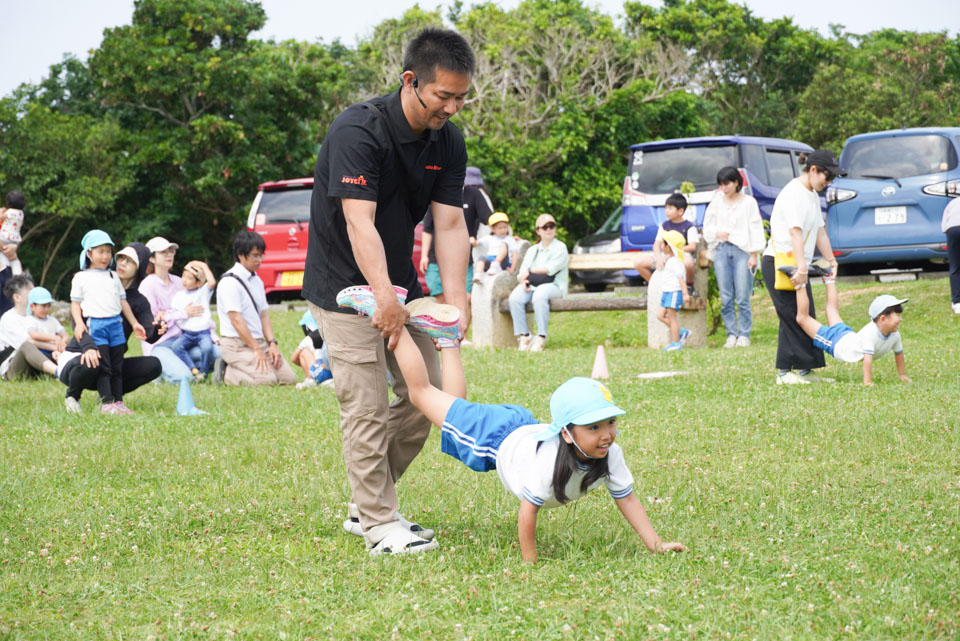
(281, 214)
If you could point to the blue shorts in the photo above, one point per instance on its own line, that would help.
(433, 279)
(107, 331)
(672, 300)
(828, 337)
(472, 432)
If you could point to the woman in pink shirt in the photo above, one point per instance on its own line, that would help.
(159, 288)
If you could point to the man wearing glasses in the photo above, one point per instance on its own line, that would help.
(796, 225)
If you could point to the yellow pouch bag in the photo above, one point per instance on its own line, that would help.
(781, 280)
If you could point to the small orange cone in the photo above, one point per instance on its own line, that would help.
(600, 364)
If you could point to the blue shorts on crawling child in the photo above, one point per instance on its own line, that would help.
(840, 341)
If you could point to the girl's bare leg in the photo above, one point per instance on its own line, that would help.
(434, 403)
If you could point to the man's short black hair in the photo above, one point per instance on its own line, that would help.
(16, 284)
(730, 175)
(246, 241)
(893, 308)
(678, 201)
(15, 199)
(436, 49)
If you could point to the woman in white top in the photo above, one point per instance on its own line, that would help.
(796, 225)
(543, 275)
(733, 230)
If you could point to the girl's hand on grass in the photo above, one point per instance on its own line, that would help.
(905, 378)
(673, 546)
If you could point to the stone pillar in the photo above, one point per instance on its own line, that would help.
(490, 326)
(658, 334)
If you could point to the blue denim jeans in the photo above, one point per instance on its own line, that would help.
(540, 296)
(174, 369)
(185, 342)
(735, 282)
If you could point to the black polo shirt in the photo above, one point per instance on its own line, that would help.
(371, 153)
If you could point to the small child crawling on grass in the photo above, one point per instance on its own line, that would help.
(877, 338)
(544, 466)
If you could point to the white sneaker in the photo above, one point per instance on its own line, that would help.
(306, 383)
(956, 308)
(813, 378)
(523, 342)
(791, 378)
(731, 341)
(352, 524)
(72, 405)
(743, 341)
(495, 268)
(396, 539)
(538, 343)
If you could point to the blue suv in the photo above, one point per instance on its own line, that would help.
(889, 206)
(657, 169)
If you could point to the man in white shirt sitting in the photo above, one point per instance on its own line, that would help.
(248, 344)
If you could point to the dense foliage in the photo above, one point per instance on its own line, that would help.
(176, 117)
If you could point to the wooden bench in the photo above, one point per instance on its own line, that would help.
(493, 327)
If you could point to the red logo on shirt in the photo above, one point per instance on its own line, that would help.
(354, 180)
(434, 167)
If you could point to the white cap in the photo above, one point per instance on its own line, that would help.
(884, 301)
(160, 244)
(130, 253)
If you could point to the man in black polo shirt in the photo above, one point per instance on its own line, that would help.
(381, 165)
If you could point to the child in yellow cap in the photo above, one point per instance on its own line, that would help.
(674, 289)
(499, 249)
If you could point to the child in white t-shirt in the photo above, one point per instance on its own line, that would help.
(876, 339)
(543, 465)
(44, 330)
(499, 248)
(674, 288)
(199, 284)
(97, 299)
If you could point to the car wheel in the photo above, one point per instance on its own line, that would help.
(593, 288)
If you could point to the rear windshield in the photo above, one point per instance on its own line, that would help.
(663, 171)
(288, 206)
(898, 157)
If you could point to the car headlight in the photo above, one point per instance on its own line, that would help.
(947, 188)
(838, 195)
(577, 249)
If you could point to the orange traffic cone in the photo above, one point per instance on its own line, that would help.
(600, 364)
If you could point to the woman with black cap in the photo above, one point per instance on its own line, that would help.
(79, 364)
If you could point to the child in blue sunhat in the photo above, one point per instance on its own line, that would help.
(97, 300)
(543, 465)
(311, 354)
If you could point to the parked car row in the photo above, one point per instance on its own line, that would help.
(885, 212)
(281, 214)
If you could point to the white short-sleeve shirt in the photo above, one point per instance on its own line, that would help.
(231, 297)
(673, 269)
(527, 472)
(492, 243)
(49, 325)
(99, 292)
(796, 206)
(199, 296)
(875, 343)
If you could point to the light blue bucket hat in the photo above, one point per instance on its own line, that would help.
(581, 401)
(93, 238)
(307, 321)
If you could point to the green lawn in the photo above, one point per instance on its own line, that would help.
(812, 512)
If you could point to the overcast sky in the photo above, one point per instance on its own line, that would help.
(37, 33)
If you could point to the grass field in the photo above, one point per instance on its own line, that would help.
(814, 512)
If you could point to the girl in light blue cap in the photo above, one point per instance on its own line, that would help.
(543, 465)
(97, 299)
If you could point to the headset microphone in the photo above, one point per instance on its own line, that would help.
(416, 83)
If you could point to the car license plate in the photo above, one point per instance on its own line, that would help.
(890, 215)
(291, 279)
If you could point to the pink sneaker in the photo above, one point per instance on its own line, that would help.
(437, 320)
(121, 408)
(361, 298)
(109, 408)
